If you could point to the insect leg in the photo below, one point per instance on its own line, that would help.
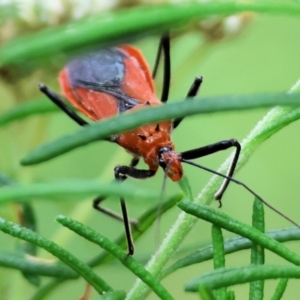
(56, 100)
(100, 199)
(164, 45)
(121, 173)
(191, 93)
(96, 203)
(124, 217)
(213, 148)
(135, 160)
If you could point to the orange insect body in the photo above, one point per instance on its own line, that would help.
(112, 81)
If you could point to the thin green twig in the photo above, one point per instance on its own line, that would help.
(118, 252)
(256, 291)
(121, 123)
(231, 276)
(231, 245)
(85, 271)
(216, 217)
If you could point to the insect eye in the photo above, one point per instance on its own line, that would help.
(161, 160)
(163, 150)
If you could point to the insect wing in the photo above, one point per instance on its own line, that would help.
(138, 82)
(107, 82)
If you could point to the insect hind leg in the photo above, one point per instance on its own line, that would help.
(193, 91)
(164, 46)
(124, 217)
(97, 205)
(57, 101)
(121, 174)
(97, 202)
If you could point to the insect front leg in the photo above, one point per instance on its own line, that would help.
(211, 149)
(122, 172)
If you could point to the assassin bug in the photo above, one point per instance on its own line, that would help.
(116, 80)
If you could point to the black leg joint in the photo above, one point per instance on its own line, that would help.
(211, 149)
(135, 160)
(121, 173)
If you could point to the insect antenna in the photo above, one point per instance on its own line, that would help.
(246, 187)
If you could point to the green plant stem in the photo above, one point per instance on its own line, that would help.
(275, 119)
(280, 289)
(230, 246)
(114, 28)
(218, 246)
(231, 276)
(115, 295)
(206, 294)
(66, 257)
(256, 291)
(125, 122)
(24, 110)
(35, 266)
(145, 221)
(72, 189)
(118, 252)
(219, 256)
(26, 217)
(220, 219)
(230, 295)
(45, 290)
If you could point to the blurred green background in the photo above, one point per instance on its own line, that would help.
(262, 58)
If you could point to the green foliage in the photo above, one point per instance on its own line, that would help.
(31, 127)
(129, 121)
